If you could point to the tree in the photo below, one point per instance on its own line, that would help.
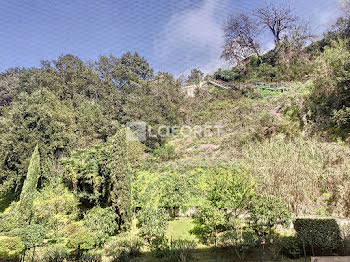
(39, 118)
(230, 189)
(9, 89)
(30, 186)
(101, 222)
(209, 222)
(194, 77)
(268, 212)
(152, 223)
(278, 19)
(345, 7)
(102, 176)
(241, 38)
(120, 178)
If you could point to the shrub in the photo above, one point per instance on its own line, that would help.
(181, 249)
(123, 246)
(94, 255)
(209, 222)
(55, 206)
(159, 247)
(54, 253)
(268, 212)
(33, 235)
(11, 248)
(164, 153)
(299, 170)
(290, 246)
(101, 222)
(241, 240)
(152, 223)
(228, 75)
(321, 234)
(328, 102)
(11, 218)
(81, 239)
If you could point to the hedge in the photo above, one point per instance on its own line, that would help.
(321, 235)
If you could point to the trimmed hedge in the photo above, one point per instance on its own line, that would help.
(323, 235)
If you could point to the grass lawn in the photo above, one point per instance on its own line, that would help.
(180, 228)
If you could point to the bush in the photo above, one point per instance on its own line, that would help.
(209, 222)
(228, 75)
(81, 239)
(290, 247)
(33, 235)
(93, 255)
(152, 223)
(181, 249)
(10, 219)
(101, 222)
(159, 247)
(241, 240)
(323, 234)
(124, 246)
(164, 153)
(54, 253)
(11, 248)
(268, 212)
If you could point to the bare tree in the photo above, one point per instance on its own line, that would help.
(345, 7)
(241, 37)
(292, 45)
(279, 19)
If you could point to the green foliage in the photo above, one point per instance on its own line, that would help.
(164, 153)
(101, 222)
(80, 239)
(120, 177)
(102, 176)
(11, 219)
(33, 235)
(230, 189)
(268, 212)
(36, 119)
(329, 100)
(170, 190)
(159, 247)
(195, 77)
(240, 239)
(209, 221)
(53, 253)
(55, 206)
(11, 248)
(81, 171)
(323, 234)
(29, 188)
(228, 75)
(152, 223)
(181, 249)
(123, 246)
(290, 246)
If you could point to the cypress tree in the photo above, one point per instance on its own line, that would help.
(120, 176)
(30, 185)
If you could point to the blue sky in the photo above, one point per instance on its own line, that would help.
(174, 35)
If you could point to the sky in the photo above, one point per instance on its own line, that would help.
(173, 36)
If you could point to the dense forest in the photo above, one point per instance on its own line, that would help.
(73, 188)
